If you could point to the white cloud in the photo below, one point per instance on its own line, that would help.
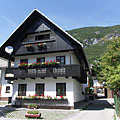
(10, 22)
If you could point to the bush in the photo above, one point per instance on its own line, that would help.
(32, 106)
(33, 112)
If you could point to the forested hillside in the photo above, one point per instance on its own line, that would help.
(95, 39)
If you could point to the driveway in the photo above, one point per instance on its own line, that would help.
(100, 109)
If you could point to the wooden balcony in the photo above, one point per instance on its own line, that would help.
(41, 72)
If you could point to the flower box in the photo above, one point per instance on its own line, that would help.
(30, 115)
(40, 64)
(23, 65)
(41, 46)
(42, 103)
(28, 46)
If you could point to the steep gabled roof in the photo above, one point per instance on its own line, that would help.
(36, 10)
(10, 40)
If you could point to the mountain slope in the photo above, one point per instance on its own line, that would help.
(93, 39)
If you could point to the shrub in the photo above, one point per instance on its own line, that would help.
(33, 112)
(23, 65)
(32, 106)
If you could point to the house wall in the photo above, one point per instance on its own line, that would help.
(75, 59)
(70, 58)
(78, 88)
(50, 87)
(4, 84)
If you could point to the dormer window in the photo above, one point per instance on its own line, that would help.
(42, 37)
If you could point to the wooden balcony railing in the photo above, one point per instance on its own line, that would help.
(41, 72)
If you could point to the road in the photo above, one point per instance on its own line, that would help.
(100, 109)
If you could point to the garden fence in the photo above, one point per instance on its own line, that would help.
(117, 104)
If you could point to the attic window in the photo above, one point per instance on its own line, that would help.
(42, 37)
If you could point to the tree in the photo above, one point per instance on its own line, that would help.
(109, 64)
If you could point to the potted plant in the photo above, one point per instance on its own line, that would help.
(23, 65)
(34, 65)
(32, 106)
(33, 114)
(28, 46)
(51, 63)
(41, 46)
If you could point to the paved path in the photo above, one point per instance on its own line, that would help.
(101, 109)
(98, 110)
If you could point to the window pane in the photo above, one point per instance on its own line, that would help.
(42, 37)
(24, 61)
(60, 89)
(22, 89)
(40, 89)
(7, 89)
(61, 59)
(41, 59)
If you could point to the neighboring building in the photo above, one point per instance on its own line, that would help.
(100, 90)
(39, 40)
(5, 87)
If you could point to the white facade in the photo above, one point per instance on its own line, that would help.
(73, 88)
(70, 58)
(4, 85)
(6, 89)
(45, 39)
(97, 84)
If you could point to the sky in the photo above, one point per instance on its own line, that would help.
(68, 14)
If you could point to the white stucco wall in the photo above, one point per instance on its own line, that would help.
(70, 58)
(73, 88)
(4, 84)
(77, 87)
(4, 63)
(3, 91)
(50, 87)
(74, 59)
